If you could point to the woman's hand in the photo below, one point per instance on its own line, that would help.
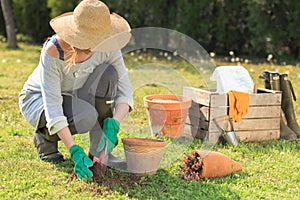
(82, 162)
(109, 138)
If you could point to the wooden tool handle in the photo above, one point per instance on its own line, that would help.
(255, 88)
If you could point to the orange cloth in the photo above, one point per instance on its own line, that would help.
(238, 104)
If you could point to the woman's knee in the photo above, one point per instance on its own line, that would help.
(84, 117)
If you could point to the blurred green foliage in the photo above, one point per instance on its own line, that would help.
(249, 27)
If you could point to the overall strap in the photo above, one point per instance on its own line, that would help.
(59, 49)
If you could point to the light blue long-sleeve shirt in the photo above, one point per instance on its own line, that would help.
(44, 88)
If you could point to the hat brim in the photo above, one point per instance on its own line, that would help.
(118, 36)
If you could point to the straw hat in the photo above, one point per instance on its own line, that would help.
(91, 26)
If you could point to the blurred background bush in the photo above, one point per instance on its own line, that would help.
(250, 27)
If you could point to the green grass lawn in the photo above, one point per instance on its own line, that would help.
(270, 169)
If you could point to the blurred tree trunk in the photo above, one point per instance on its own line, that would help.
(9, 24)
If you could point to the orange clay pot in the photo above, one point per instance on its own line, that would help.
(143, 155)
(215, 164)
(167, 113)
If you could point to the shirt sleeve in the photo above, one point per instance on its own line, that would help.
(51, 93)
(124, 91)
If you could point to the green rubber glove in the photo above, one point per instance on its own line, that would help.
(82, 162)
(109, 138)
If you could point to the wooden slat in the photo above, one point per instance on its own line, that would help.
(258, 135)
(244, 136)
(250, 124)
(215, 112)
(205, 112)
(218, 100)
(258, 124)
(259, 99)
(213, 99)
(197, 95)
(262, 99)
(263, 112)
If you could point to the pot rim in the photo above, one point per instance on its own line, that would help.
(179, 98)
(144, 142)
(183, 102)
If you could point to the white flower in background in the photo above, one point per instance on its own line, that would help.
(212, 54)
(165, 54)
(231, 53)
(232, 60)
(18, 60)
(135, 60)
(246, 61)
(132, 53)
(251, 70)
(175, 53)
(4, 60)
(161, 53)
(140, 57)
(154, 58)
(169, 58)
(270, 57)
(237, 59)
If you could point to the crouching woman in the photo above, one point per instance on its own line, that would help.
(80, 85)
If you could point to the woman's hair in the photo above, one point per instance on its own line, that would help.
(72, 55)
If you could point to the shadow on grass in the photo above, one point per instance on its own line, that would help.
(162, 185)
(66, 166)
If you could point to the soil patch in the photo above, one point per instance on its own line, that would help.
(112, 179)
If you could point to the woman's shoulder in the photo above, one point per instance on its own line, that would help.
(50, 49)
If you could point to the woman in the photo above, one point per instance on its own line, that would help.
(80, 85)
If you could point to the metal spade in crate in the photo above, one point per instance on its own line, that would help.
(229, 134)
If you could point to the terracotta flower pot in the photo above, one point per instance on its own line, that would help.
(143, 155)
(208, 164)
(167, 113)
(215, 164)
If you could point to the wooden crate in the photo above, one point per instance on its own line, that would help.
(261, 123)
